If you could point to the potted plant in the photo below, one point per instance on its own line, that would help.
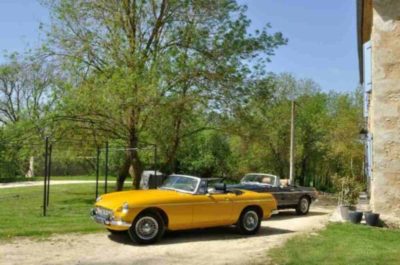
(355, 217)
(372, 219)
(350, 190)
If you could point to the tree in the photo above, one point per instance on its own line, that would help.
(27, 95)
(128, 59)
(327, 126)
(24, 89)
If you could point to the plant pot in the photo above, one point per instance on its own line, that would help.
(372, 219)
(344, 211)
(355, 217)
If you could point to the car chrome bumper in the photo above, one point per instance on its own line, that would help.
(275, 212)
(107, 221)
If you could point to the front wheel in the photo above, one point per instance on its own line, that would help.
(249, 222)
(303, 206)
(147, 228)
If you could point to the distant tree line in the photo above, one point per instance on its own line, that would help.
(187, 76)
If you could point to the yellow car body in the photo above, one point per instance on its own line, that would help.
(180, 210)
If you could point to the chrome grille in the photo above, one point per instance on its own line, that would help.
(103, 212)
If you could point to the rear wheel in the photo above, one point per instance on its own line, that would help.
(147, 228)
(303, 206)
(249, 222)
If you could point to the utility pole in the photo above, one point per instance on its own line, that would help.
(291, 170)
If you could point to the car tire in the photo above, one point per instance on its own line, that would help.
(303, 206)
(249, 222)
(147, 228)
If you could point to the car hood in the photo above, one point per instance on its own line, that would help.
(115, 200)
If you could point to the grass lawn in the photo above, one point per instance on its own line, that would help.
(21, 210)
(83, 177)
(342, 244)
(40, 178)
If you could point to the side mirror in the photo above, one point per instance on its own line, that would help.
(220, 187)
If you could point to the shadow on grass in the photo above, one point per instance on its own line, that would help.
(198, 235)
(90, 201)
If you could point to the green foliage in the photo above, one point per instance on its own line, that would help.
(348, 190)
(142, 70)
(206, 155)
(341, 244)
(187, 76)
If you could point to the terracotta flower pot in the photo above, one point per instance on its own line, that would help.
(344, 211)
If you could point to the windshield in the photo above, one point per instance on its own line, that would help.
(180, 183)
(261, 179)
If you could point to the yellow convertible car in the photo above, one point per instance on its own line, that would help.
(182, 202)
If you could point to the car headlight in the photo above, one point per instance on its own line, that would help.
(125, 207)
(98, 199)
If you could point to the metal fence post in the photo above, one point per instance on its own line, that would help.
(106, 170)
(97, 170)
(49, 173)
(45, 175)
(155, 161)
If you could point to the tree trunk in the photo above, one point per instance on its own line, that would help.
(171, 162)
(30, 173)
(134, 155)
(123, 173)
(137, 169)
(132, 158)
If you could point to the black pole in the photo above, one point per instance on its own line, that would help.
(97, 170)
(106, 171)
(155, 161)
(49, 174)
(45, 175)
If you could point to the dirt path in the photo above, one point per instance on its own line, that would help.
(40, 183)
(206, 246)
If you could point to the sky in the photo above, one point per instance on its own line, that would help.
(322, 36)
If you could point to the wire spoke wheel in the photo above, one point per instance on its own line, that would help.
(146, 228)
(304, 205)
(250, 220)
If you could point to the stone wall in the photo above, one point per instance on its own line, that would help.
(385, 109)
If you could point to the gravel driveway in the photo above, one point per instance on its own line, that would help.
(204, 246)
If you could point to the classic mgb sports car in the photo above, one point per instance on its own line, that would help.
(182, 202)
(287, 196)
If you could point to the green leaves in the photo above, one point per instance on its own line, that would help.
(326, 129)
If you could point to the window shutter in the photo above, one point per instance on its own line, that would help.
(367, 67)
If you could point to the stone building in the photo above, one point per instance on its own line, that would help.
(379, 64)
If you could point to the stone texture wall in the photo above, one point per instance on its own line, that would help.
(385, 109)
